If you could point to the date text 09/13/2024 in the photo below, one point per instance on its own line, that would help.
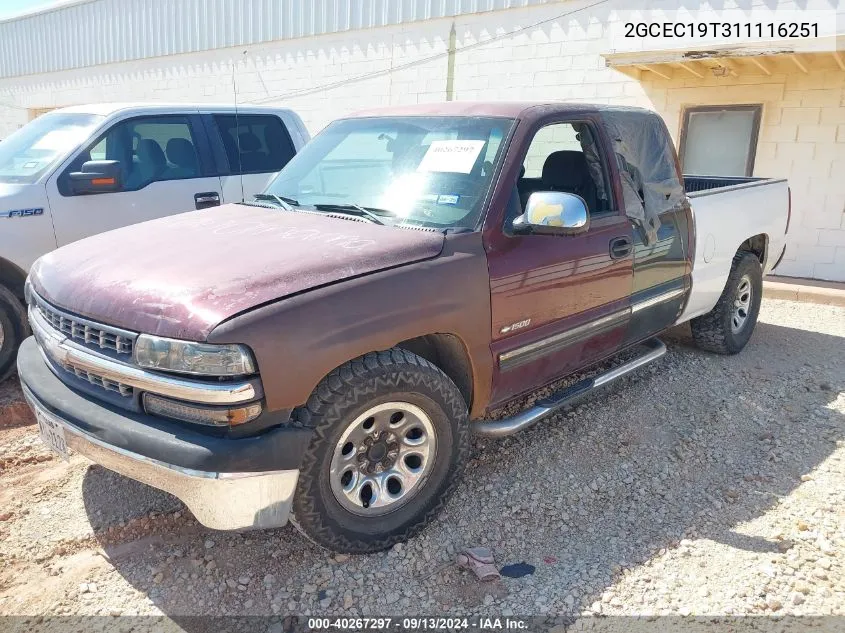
(486, 623)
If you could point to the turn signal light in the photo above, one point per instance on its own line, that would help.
(198, 414)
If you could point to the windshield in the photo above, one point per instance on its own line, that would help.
(37, 146)
(423, 171)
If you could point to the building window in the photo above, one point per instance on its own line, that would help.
(720, 140)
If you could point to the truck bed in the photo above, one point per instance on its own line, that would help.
(729, 211)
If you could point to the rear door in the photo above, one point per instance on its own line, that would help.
(661, 276)
(253, 148)
(165, 167)
(558, 302)
(661, 280)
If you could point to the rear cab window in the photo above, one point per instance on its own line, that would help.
(254, 143)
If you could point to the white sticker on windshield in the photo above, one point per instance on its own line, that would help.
(451, 156)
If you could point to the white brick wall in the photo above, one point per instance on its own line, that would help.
(802, 136)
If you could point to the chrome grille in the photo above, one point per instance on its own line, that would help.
(87, 332)
(99, 381)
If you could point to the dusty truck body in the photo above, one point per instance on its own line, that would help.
(326, 351)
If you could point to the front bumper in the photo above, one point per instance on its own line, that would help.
(241, 490)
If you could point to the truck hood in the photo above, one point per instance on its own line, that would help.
(182, 275)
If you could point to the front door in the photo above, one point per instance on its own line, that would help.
(559, 302)
(165, 169)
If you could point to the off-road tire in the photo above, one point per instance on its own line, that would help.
(348, 391)
(712, 331)
(14, 328)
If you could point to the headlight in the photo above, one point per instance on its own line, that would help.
(186, 357)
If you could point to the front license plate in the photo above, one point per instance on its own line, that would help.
(52, 434)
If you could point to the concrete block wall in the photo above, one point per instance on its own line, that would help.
(802, 135)
(800, 139)
(290, 73)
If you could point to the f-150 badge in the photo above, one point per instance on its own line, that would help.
(21, 213)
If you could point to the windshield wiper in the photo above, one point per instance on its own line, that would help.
(282, 201)
(354, 209)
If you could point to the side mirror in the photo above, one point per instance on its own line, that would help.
(97, 176)
(553, 213)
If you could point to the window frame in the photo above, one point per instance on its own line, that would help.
(597, 132)
(225, 168)
(197, 136)
(753, 141)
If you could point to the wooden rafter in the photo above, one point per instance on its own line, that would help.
(798, 63)
(730, 65)
(759, 63)
(688, 67)
(653, 70)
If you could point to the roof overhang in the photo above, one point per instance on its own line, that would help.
(767, 58)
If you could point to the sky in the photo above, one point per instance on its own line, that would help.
(8, 8)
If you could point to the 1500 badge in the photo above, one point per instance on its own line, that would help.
(515, 326)
(21, 213)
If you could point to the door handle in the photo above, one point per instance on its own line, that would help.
(207, 199)
(620, 247)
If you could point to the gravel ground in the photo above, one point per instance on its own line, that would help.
(704, 485)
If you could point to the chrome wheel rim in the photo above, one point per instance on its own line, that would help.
(2, 336)
(383, 458)
(742, 304)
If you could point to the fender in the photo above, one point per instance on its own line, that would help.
(300, 339)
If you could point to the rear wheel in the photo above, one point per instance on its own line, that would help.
(390, 442)
(727, 328)
(13, 330)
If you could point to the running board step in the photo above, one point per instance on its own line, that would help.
(545, 407)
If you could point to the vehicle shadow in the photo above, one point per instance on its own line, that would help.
(693, 448)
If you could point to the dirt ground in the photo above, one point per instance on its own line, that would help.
(705, 485)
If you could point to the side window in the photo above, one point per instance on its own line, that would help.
(150, 149)
(254, 143)
(563, 157)
(98, 152)
(549, 139)
(720, 140)
(163, 148)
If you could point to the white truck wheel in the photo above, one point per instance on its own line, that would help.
(727, 328)
(13, 330)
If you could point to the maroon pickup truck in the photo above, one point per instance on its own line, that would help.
(322, 353)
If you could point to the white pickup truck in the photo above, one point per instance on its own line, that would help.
(79, 171)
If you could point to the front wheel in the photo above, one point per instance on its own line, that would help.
(390, 441)
(727, 328)
(13, 329)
